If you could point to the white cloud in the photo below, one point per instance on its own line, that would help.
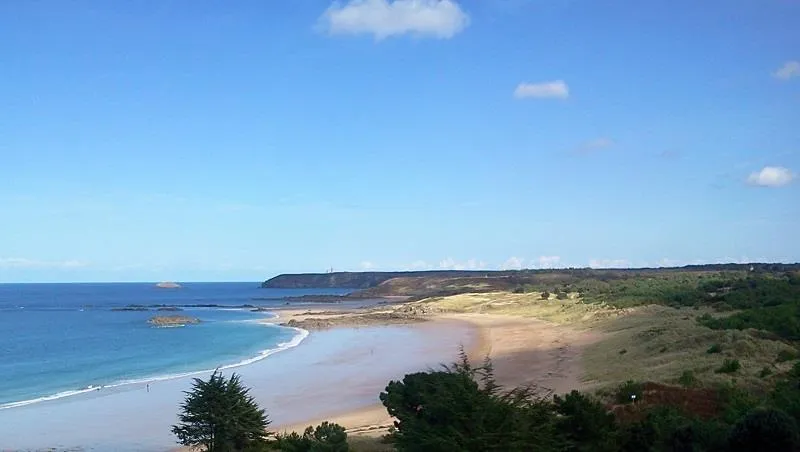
(17, 262)
(609, 263)
(771, 176)
(556, 89)
(441, 19)
(790, 69)
(419, 265)
(451, 264)
(367, 265)
(546, 262)
(513, 263)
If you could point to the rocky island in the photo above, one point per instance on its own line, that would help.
(172, 320)
(168, 285)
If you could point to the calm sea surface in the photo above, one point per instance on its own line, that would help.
(58, 340)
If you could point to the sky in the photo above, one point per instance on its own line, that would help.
(231, 141)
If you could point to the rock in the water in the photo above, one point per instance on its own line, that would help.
(168, 285)
(173, 320)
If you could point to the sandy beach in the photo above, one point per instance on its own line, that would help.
(524, 351)
(336, 374)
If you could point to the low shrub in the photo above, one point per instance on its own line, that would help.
(687, 378)
(786, 355)
(729, 366)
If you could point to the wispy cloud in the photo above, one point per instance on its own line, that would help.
(546, 262)
(771, 176)
(609, 263)
(18, 262)
(448, 264)
(556, 89)
(669, 154)
(367, 265)
(452, 264)
(789, 70)
(441, 19)
(594, 145)
(513, 263)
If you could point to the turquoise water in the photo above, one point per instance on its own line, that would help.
(59, 340)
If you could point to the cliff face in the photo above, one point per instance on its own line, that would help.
(414, 283)
(353, 280)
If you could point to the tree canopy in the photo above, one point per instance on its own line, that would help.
(220, 415)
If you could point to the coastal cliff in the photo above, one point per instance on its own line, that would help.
(355, 280)
(422, 284)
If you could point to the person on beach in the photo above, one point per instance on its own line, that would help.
(148, 387)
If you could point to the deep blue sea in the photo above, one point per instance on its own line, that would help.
(57, 340)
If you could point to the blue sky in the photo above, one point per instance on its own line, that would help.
(189, 140)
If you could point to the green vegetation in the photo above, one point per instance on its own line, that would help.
(687, 379)
(765, 429)
(628, 392)
(787, 355)
(220, 415)
(729, 366)
(462, 408)
(326, 437)
(748, 401)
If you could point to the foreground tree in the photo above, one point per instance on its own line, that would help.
(461, 408)
(220, 415)
(765, 429)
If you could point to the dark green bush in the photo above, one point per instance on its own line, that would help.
(687, 378)
(326, 437)
(585, 423)
(786, 355)
(716, 348)
(628, 389)
(729, 366)
(462, 409)
(765, 429)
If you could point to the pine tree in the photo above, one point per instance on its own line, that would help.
(220, 415)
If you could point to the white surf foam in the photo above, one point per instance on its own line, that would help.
(300, 335)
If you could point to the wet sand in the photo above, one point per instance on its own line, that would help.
(524, 351)
(332, 371)
(336, 375)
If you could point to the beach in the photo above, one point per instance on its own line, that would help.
(335, 374)
(523, 350)
(339, 370)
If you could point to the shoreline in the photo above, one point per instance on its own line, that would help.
(523, 350)
(337, 376)
(336, 370)
(300, 335)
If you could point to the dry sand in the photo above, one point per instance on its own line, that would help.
(524, 351)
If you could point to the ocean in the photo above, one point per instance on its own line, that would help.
(61, 340)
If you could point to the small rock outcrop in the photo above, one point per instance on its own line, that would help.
(168, 285)
(173, 320)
